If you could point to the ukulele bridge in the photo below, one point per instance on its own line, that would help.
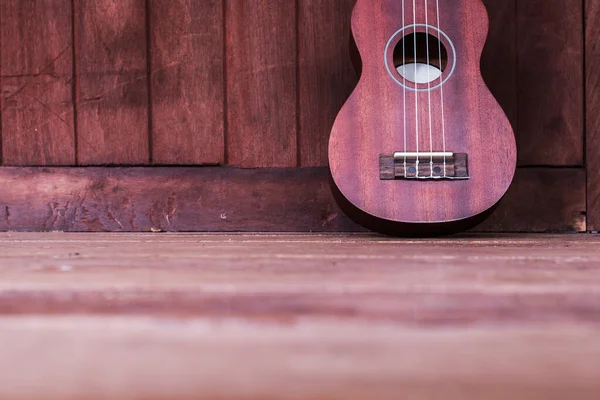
(425, 165)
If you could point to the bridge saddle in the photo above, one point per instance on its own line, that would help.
(424, 165)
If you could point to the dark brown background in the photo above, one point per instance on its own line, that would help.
(183, 86)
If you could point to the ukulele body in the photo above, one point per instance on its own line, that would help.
(420, 158)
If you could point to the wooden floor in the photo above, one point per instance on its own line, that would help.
(299, 317)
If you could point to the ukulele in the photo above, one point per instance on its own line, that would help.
(421, 147)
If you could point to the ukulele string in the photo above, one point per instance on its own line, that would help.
(416, 88)
(429, 87)
(439, 27)
(404, 89)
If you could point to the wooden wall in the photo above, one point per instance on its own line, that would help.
(246, 84)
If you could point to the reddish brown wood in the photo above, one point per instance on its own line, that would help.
(541, 200)
(485, 280)
(187, 81)
(326, 75)
(372, 122)
(246, 316)
(169, 199)
(592, 37)
(112, 109)
(162, 358)
(499, 58)
(550, 82)
(261, 83)
(391, 168)
(36, 63)
(227, 199)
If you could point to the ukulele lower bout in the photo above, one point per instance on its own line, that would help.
(424, 166)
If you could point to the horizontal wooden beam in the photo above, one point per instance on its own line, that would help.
(542, 200)
(229, 199)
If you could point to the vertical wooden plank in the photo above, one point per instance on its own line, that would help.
(499, 58)
(592, 38)
(550, 82)
(326, 74)
(261, 79)
(187, 93)
(37, 73)
(112, 109)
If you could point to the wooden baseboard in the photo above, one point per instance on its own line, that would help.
(224, 199)
(542, 200)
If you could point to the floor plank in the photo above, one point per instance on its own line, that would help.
(249, 316)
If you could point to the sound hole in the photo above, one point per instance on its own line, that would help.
(428, 65)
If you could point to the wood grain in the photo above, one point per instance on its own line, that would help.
(261, 83)
(326, 74)
(499, 58)
(187, 81)
(550, 83)
(169, 199)
(227, 199)
(314, 317)
(36, 63)
(112, 108)
(592, 83)
(383, 117)
(542, 199)
(276, 278)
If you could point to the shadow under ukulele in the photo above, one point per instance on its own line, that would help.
(399, 229)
